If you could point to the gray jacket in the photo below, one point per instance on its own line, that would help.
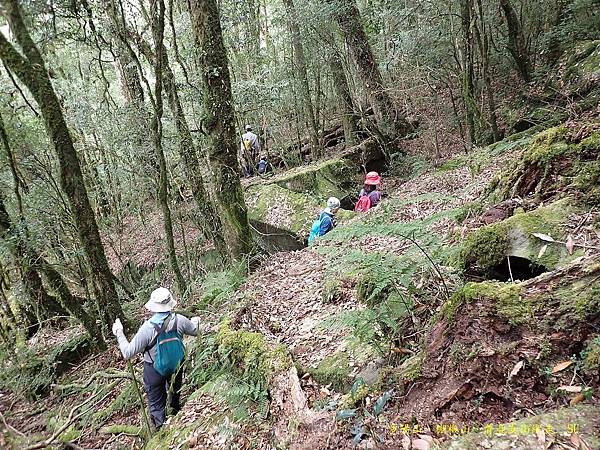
(145, 335)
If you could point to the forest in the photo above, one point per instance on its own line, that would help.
(345, 224)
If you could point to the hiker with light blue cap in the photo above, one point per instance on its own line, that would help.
(160, 340)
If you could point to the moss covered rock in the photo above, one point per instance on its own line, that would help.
(560, 160)
(487, 248)
(333, 370)
(281, 217)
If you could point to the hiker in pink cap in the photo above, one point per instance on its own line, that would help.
(369, 195)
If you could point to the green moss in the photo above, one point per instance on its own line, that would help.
(591, 356)
(130, 430)
(490, 245)
(583, 61)
(335, 177)
(411, 368)
(507, 298)
(167, 436)
(126, 401)
(576, 301)
(282, 207)
(250, 353)
(332, 290)
(551, 162)
(485, 248)
(334, 370)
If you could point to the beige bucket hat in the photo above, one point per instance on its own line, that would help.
(161, 300)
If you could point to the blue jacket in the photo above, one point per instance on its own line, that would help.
(326, 219)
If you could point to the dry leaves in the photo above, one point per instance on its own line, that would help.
(516, 369)
(561, 366)
(578, 443)
(570, 244)
(420, 444)
(569, 388)
(577, 399)
(544, 237)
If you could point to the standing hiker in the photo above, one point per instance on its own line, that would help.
(369, 195)
(326, 221)
(160, 339)
(249, 149)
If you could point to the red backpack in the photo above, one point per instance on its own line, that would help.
(363, 204)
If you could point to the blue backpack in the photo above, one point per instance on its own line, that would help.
(169, 349)
(315, 229)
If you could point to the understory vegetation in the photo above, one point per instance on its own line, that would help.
(460, 312)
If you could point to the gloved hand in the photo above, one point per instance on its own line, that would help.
(196, 322)
(117, 327)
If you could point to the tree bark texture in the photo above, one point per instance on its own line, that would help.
(483, 41)
(302, 76)
(157, 17)
(340, 84)
(516, 40)
(208, 220)
(30, 69)
(391, 122)
(41, 305)
(219, 128)
(468, 87)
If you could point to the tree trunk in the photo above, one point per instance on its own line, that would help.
(391, 121)
(340, 83)
(133, 91)
(302, 76)
(483, 39)
(157, 19)
(219, 128)
(516, 40)
(41, 305)
(468, 88)
(209, 221)
(32, 72)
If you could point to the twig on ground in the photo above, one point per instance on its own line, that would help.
(70, 420)
(99, 374)
(10, 427)
(512, 280)
(141, 399)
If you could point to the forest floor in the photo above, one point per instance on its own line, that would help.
(446, 375)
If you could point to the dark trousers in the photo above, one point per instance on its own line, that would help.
(157, 387)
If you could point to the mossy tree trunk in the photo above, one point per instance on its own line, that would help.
(208, 220)
(302, 76)
(390, 120)
(483, 38)
(468, 86)
(41, 305)
(516, 40)
(31, 70)
(219, 127)
(157, 18)
(340, 84)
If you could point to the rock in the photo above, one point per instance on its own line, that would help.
(370, 373)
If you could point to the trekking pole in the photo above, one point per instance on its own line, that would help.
(141, 399)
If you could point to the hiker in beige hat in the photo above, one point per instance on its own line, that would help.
(161, 340)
